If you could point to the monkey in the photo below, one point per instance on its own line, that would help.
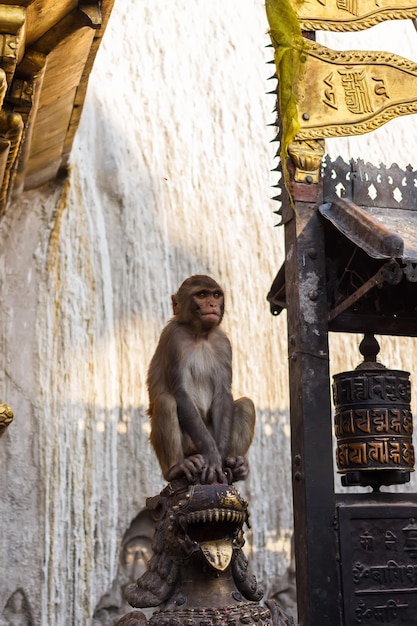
(197, 429)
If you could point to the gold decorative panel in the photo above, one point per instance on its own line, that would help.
(351, 15)
(6, 417)
(352, 92)
(47, 48)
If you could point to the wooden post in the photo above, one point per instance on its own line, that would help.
(310, 410)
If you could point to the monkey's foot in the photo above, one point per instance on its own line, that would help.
(213, 471)
(236, 467)
(191, 468)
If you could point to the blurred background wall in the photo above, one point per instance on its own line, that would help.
(170, 176)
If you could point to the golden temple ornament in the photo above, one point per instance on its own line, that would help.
(6, 417)
(343, 93)
(351, 15)
(307, 157)
(47, 49)
(218, 553)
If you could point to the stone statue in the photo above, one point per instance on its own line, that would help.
(198, 574)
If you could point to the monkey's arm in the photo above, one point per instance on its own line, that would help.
(223, 406)
(191, 422)
(170, 446)
(222, 417)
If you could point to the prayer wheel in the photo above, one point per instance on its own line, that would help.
(373, 422)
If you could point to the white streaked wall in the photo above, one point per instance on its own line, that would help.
(170, 176)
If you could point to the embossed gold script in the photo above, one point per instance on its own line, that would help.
(350, 15)
(373, 421)
(344, 93)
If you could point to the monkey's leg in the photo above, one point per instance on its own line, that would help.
(243, 428)
(173, 449)
(165, 434)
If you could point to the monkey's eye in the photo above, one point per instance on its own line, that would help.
(205, 293)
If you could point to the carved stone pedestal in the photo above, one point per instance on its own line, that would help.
(198, 574)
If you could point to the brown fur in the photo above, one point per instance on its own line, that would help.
(197, 429)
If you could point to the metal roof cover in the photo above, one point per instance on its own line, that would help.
(383, 233)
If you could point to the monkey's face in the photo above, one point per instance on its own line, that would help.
(199, 303)
(208, 305)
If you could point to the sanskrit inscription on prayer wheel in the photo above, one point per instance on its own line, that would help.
(373, 425)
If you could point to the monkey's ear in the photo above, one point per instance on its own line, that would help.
(175, 304)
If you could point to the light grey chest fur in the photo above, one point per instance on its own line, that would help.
(200, 373)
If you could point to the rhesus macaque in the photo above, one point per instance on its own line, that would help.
(197, 430)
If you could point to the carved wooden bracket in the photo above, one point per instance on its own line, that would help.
(47, 48)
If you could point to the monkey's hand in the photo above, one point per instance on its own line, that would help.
(213, 471)
(191, 468)
(236, 467)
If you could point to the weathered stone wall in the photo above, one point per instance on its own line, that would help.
(170, 176)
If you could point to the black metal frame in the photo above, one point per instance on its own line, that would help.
(302, 286)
